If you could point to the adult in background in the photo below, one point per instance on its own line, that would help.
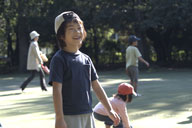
(34, 62)
(132, 56)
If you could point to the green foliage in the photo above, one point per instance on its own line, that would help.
(168, 25)
(165, 24)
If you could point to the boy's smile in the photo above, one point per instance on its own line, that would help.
(74, 34)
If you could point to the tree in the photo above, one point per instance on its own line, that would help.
(167, 23)
(18, 16)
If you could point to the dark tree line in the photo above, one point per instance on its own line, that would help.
(164, 26)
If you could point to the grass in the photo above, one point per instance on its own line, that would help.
(166, 100)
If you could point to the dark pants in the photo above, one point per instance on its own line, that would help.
(31, 77)
(106, 120)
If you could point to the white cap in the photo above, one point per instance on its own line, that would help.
(34, 34)
(60, 19)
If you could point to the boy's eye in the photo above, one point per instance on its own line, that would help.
(71, 28)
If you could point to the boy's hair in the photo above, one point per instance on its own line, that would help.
(60, 30)
(124, 97)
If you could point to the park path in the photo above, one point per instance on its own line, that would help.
(166, 100)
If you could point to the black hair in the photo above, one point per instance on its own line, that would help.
(130, 43)
(33, 39)
(124, 97)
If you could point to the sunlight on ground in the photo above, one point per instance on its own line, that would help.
(151, 79)
(112, 81)
(157, 121)
(7, 78)
(162, 120)
(20, 116)
(164, 102)
(117, 81)
(31, 120)
(16, 99)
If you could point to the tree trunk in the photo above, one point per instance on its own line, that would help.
(23, 41)
(96, 47)
(16, 52)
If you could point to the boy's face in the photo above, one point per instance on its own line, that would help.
(135, 43)
(74, 34)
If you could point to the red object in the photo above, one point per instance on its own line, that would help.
(126, 89)
(45, 69)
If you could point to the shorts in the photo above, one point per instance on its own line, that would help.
(80, 121)
(133, 73)
(106, 120)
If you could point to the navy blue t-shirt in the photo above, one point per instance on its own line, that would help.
(75, 71)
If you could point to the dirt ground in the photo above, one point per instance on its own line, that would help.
(166, 100)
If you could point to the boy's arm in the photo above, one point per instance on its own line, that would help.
(58, 105)
(144, 61)
(101, 95)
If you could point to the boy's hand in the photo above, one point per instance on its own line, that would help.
(114, 116)
(147, 64)
(60, 123)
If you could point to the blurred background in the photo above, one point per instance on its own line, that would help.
(164, 26)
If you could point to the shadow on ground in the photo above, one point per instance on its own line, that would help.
(187, 121)
(165, 94)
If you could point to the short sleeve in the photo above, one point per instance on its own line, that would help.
(137, 52)
(94, 75)
(56, 70)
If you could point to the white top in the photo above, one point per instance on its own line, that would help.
(34, 59)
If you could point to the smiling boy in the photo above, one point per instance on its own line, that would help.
(72, 74)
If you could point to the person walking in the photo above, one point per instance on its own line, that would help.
(132, 57)
(119, 100)
(72, 74)
(34, 62)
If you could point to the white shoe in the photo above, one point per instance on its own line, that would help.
(138, 94)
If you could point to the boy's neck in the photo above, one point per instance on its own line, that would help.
(134, 45)
(71, 50)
